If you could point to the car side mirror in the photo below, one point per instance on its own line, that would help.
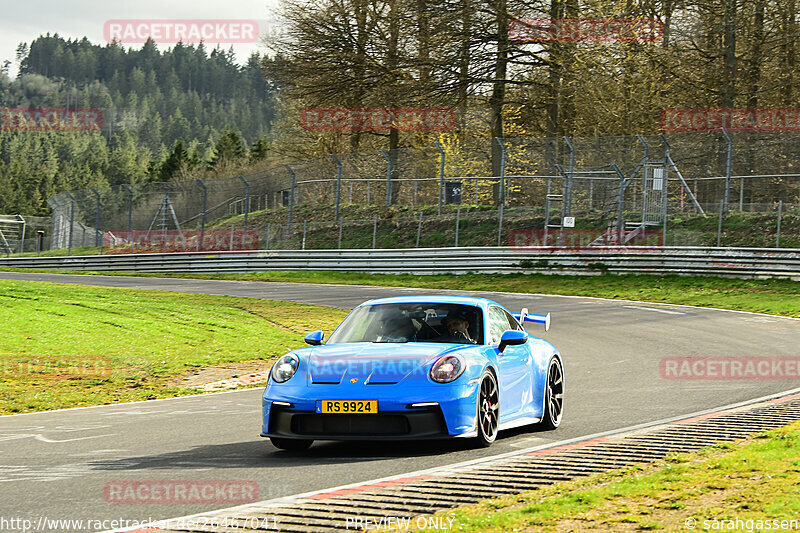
(314, 338)
(512, 338)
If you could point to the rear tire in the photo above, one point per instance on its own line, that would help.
(553, 396)
(294, 445)
(488, 417)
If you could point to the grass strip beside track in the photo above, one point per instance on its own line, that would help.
(771, 296)
(750, 480)
(68, 346)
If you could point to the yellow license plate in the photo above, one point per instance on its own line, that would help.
(364, 407)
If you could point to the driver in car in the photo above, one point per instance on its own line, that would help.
(457, 330)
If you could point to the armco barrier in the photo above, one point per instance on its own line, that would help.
(738, 262)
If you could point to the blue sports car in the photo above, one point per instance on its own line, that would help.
(418, 367)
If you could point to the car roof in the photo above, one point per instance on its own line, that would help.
(433, 298)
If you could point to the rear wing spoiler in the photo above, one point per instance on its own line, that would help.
(523, 316)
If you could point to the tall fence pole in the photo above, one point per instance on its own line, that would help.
(340, 234)
(374, 229)
(389, 166)
(780, 212)
(71, 221)
(441, 175)
(203, 212)
(458, 223)
(499, 224)
(304, 235)
(728, 169)
(419, 229)
(502, 170)
(719, 224)
(246, 200)
(338, 184)
(291, 195)
(568, 184)
(97, 241)
(22, 236)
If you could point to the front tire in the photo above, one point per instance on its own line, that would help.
(554, 396)
(294, 445)
(488, 418)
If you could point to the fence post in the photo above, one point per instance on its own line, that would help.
(266, 247)
(728, 169)
(71, 221)
(388, 177)
(304, 235)
(568, 184)
(338, 183)
(458, 223)
(502, 170)
(419, 229)
(232, 227)
(246, 200)
(203, 213)
(374, 229)
(291, 196)
(340, 234)
(22, 237)
(499, 224)
(719, 224)
(130, 213)
(441, 175)
(97, 220)
(780, 212)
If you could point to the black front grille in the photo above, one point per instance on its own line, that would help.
(350, 424)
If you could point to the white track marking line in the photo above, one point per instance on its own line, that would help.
(657, 309)
(447, 468)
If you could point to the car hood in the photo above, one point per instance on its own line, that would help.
(376, 363)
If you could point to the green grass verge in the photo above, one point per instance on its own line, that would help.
(67, 346)
(751, 480)
(773, 296)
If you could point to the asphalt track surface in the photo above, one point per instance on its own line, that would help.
(56, 464)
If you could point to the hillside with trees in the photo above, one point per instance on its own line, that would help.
(186, 112)
(165, 114)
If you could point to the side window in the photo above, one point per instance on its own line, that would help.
(498, 323)
(513, 324)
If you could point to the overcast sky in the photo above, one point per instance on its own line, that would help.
(24, 20)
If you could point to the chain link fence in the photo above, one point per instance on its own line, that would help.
(618, 187)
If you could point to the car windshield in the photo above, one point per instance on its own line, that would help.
(412, 322)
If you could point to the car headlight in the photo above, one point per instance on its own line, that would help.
(285, 368)
(447, 369)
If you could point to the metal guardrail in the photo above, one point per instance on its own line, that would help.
(738, 262)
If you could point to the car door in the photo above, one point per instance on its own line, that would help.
(514, 366)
